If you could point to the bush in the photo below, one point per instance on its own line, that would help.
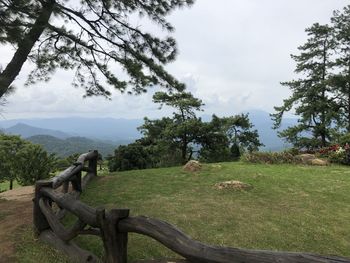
(271, 157)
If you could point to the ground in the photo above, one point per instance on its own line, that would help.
(288, 208)
(15, 212)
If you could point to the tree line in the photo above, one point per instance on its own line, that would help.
(321, 95)
(175, 140)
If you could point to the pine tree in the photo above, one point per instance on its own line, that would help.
(91, 37)
(311, 95)
(341, 79)
(185, 123)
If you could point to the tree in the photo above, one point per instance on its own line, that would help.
(10, 145)
(33, 164)
(239, 131)
(311, 95)
(225, 138)
(341, 79)
(90, 37)
(23, 161)
(129, 157)
(184, 128)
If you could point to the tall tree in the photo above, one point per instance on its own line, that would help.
(311, 97)
(10, 146)
(90, 37)
(185, 123)
(23, 161)
(341, 79)
(225, 138)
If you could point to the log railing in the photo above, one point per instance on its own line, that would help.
(114, 225)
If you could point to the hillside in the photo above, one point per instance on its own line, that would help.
(71, 145)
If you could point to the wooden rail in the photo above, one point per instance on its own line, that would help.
(114, 225)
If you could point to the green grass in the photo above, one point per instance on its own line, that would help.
(4, 186)
(290, 208)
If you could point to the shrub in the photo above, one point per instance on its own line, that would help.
(270, 157)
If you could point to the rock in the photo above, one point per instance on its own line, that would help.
(192, 166)
(236, 185)
(306, 158)
(163, 261)
(319, 162)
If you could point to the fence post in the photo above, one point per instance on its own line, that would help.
(114, 242)
(39, 219)
(93, 164)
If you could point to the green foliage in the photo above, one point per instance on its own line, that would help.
(225, 138)
(33, 163)
(235, 152)
(9, 148)
(310, 94)
(344, 139)
(22, 161)
(129, 157)
(271, 158)
(184, 127)
(171, 141)
(92, 38)
(321, 96)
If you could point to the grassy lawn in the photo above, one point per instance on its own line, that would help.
(4, 186)
(294, 208)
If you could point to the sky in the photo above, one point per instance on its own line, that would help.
(232, 54)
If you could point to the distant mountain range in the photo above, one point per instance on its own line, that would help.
(112, 132)
(94, 128)
(71, 145)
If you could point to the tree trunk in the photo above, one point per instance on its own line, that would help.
(11, 184)
(25, 46)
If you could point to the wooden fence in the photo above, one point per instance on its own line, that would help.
(59, 195)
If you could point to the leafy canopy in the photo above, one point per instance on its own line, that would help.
(92, 37)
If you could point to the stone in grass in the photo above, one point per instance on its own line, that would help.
(319, 162)
(306, 158)
(163, 261)
(192, 166)
(235, 185)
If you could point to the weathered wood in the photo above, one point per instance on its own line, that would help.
(56, 226)
(84, 212)
(65, 187)
(66, 175)
(39, 219)
(86, 179)
(114, 242)
(76, 168)
(93, 163)
(75, 253)
(198, 252)
(76, 182)
(91, 155)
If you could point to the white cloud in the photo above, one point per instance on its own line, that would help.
(232, 55)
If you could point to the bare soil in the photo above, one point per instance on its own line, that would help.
(15, 212)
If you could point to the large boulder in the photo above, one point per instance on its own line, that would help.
(306, 158)
(192, 166)
(319, 162)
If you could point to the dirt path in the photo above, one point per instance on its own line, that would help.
(15, 211)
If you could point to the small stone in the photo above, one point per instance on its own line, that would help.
(236, 185)
(192, 166)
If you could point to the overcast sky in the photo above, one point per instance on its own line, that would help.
(232, 55)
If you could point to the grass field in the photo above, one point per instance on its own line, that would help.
(4, 186)
(294, 208)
